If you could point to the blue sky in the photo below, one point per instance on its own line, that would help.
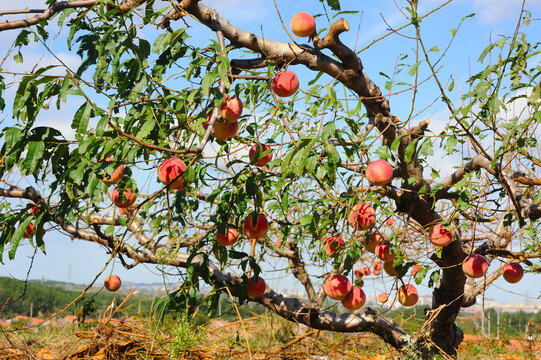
(493, 17)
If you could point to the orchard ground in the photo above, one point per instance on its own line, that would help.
(264, 336)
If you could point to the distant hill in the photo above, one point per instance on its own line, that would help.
(37, 297)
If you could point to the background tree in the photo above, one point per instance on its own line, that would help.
(166, 113)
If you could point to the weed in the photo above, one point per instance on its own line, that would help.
(185, 335)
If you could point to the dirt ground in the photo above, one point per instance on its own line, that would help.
(256, 338)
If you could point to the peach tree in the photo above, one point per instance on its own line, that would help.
(217, 155)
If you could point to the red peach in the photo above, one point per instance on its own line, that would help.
(389, 221)
(359, 282)
(373, 240)
(112, 283)
(230, 109)
(379, 172)
(382, 298)
(376, 267)
(126, 200)
(513, 272)
(303, 24)
(34, 210)
(257, 230)
(440, 236)
(117, 173)
(475, 266)
(169, 170)
(362, 216)
(337, 286)
(29, 231)
(383, 252)
(262, 159)
(389, 268)
(224, 130)
(415, 269)
(365, 270)
(125, 211)
(256, 287)
(407, 295)
(355, 299)
(285, 83)
(229, 238)
(333, 245)
(360, 272)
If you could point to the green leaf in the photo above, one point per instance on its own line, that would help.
(81, 118)
(451, 144)
(410, 150)
(17, 236)
(414, 68)
(305, 220)
(63, 15)
(146, 129)
(433, 278)
(334, 4)
(33, 156)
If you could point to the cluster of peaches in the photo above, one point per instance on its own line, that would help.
(362, 217)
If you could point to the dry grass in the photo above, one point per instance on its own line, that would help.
(260, 337)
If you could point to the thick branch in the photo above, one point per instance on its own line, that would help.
(47, 14)
(294, 310)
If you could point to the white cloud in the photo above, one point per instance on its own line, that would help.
(497, 11)
(241, 10)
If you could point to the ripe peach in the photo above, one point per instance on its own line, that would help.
(379, 172)
(355, 299)
(475, 266)
(333, 245)
(383, 252)
(407, 295)
(362, 216)
(360, 272)
(337, 286)
(285, 83)
(29, 231)
(365, 270)
(169, 170)
(255, 230)
(382, 298)
(389, 268)
(229, 238)
(256, 287)
(415, 269)
(223, 130)
(112, 283)
(513, 272)
(116, 175)
(125, 211)
(389, 221)
(126, 200)
(440, 236)
(376, 267)
(230, 109)
(262, 159)
(373, 240)
(359, 282)
(34, 210)
(303, 24)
